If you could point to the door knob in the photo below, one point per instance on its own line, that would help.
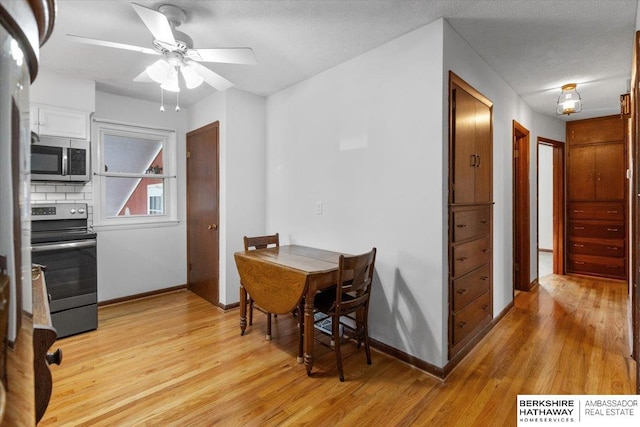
(212, 227)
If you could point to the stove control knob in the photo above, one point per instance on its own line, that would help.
(72, 211)
(81, 211)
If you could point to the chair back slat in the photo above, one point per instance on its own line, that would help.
(261, 242)
(355, 276)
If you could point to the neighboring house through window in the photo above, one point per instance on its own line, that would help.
(134, 175)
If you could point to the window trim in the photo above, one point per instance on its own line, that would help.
(168, 138)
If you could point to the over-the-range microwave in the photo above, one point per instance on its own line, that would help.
(60, 159)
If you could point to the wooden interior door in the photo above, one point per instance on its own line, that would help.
(484, 150)
(582, 167)
(610, 168)
(203, 212)
(634, 146)
(521, 206)
(464, 136)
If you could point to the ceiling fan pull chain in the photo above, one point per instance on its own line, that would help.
(177, 102)
(161, 100)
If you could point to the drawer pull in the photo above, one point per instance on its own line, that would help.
(613, 230)
(462, 258)
(484, 278)
(462, 225)
(461, 325)
(484, 307)
(484, 221)
(578, 228)
(579, 262)
(578, 210)
(462, 291)
(612, 266)
(612, 212)
(612, 248)
(54, 358)
(485, 250)
(578, 246)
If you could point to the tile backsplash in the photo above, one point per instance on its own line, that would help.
(63, 192)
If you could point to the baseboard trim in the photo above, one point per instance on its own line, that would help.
(141, 295)
(407, 358)
(228, 307)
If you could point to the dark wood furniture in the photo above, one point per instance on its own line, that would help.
(596, 197)
(351, 295)
(470, 213)
(44, 335)
(278, 278)
(260, 242)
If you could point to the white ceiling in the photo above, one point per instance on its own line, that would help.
(535, 45)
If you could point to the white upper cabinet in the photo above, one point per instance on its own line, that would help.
(58, 121)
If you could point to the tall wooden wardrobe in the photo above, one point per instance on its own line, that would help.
(470, 213)
(597, 197)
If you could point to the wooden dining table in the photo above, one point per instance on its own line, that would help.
(278, 278)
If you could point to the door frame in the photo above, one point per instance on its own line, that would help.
(634, 234)
(521, 209)
(558, 201)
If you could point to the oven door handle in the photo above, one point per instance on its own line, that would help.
(66, 245)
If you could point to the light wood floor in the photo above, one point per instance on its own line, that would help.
(174, 359)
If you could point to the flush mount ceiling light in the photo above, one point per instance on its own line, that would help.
(569, 101)
(180, 62)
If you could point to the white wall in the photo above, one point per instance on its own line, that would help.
(64, 91)
(545, 194)
(365, 140)
(242, 174)
(507, 106)
(134, 261)
(550, 128)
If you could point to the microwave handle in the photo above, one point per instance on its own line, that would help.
(65, 161)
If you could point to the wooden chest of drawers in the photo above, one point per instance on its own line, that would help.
(467, 320)
(470, 215)
(471, 277)
(596, 236)
(597, 188)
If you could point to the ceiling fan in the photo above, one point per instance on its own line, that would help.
(177, 51)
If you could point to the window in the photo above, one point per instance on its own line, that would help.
(134, 178)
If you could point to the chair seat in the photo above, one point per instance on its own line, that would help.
(325, 300)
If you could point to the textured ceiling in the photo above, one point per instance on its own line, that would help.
(535, 45)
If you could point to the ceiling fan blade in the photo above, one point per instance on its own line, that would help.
(96, 42)
(157, 23)
(213, 79)
(234, 55)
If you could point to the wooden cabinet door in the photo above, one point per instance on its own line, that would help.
(610, 172)
(464, 147)
(484, 151)
(582, 166)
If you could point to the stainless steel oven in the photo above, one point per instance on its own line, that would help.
(64, 245)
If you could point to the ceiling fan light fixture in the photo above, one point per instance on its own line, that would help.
(159, 71)
(191, 77)
(171, 82)
(569, 101)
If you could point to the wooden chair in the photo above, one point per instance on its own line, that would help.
(351, 295)
(260, 242)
